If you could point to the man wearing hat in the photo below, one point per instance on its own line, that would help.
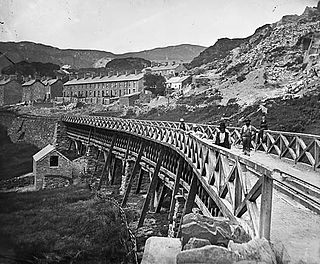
(247, 133)
(196, 131)
(182, 125)
(222, 136)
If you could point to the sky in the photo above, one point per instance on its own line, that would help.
(122, 26)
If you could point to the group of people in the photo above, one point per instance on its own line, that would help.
(222, 136)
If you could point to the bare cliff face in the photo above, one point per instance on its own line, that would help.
(280, 58)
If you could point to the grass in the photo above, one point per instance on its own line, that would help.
(61, 226)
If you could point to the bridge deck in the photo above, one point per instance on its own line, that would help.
(297, 227)
(301, 171)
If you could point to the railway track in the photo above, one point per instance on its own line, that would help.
(299, 190)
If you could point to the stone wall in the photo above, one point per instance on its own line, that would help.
(17, 182)
(38, 131)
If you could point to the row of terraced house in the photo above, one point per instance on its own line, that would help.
(13, 92)
(95, 90)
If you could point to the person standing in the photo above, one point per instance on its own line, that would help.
(223, 136)
(263, 127)
(247, 133)
(182, 124)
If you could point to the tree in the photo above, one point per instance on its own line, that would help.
(155, 83)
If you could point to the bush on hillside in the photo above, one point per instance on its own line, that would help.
(61, 226)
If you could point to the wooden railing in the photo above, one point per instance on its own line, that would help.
(216, 179)
(298, 147)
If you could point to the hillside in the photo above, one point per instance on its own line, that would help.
(277, 67)
(127, 64)
(36, 52)
(26, 68)
(183, 52)
(278, 59)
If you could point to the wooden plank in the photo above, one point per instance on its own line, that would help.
(175, 189)
(251, 196)
(266, 207)
(152, 187)
(190, 201)
(237, 193)
(105, 167)
(134, 171)
(191, 196)
(162, 194)
(126, 156)
(112, 170)
(140, 178)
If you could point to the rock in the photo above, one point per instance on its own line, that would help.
(281, 253)
(196, 243)
(161, 250)
(207, 254)
(218, 230)
(257, 249)
(202, 231)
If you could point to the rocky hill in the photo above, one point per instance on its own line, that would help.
(277, 67)
(36, 52)
(280, 58)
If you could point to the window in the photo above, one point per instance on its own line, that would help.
(54, 161)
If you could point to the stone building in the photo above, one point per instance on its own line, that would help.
(177, 83)
(95, 90)
(10, 91)
(167, 70)
(54, 88)
(33, 90)
(51, 169)
(129, 99)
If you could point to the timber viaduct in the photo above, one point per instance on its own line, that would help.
(217, 181)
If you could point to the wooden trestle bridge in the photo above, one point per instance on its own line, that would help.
(218, 181)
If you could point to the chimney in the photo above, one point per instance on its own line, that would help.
(173, 63)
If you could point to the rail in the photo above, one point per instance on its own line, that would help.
(298, 147)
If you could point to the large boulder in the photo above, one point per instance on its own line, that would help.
(207, 254)
(218, 230)
(196, 243)
(258, 249)
(161, 250)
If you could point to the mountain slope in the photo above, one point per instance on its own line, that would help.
(184, 52)
(35, 52)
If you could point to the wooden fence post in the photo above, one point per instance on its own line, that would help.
(175, 189)
(140, 178)
(266, 207)
(134, 171)
(152, 187)
(107, 162)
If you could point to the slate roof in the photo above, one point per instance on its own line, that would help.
(29, 82)
(165, 67)
(3, 82)
(43, 152)
(105, 79)
(177, 79)
(49, 81)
